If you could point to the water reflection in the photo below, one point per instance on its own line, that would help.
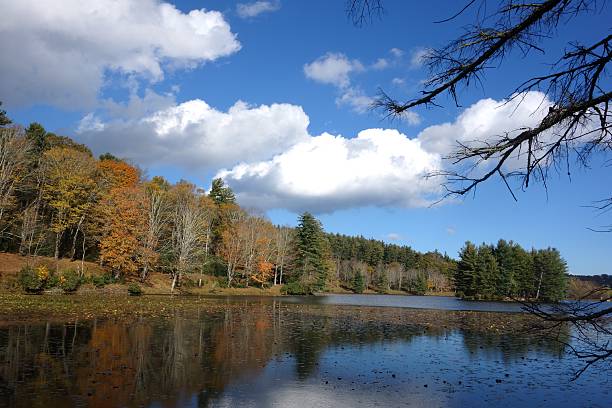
(257, 353)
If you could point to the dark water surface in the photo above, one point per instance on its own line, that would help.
(268, 353)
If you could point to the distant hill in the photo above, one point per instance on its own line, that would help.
(599, 280)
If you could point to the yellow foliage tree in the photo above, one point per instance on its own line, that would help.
(70, 188)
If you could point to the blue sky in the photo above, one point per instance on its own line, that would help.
(270, 101)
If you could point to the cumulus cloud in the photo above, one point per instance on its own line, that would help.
(251, 10)
(332, 68)
(271, 161)
(356, 99)
(90, 123)
(379, 167)
(486, 120)
(197, 136)
(61, 53)
(335, 69)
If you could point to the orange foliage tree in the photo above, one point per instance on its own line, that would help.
(263, 272)
(123, 211)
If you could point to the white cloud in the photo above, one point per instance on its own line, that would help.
(418, 57)
(332, 68)
(411, 117)
(271, 161)
(356, 99)
(61, 53)
(381, 64)
(398, 81)
(451, 231)
(90, 123)
(196, 136)
(486, 120)
(379, 167)
(251, 10)
(335, 69)
(396, 52)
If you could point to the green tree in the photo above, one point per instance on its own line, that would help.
(108, 156)
(487, 272)
(37, 135)
(550, 270)
(505, 283)
(467, 269)
(4, 120)
(309, 264)
(220, 193)
(358, 283)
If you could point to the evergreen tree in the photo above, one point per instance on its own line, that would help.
(418, 285)
(220, 193)
(309, 267)
(358, 283)
(108, 156)
(505, 282)
(551, 273)
(224, 198)
(38, 138)
(523, 272)
(487, 272)
(466, 274)
(4, 120)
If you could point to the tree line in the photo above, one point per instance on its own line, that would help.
(57, 199)
(507, 270)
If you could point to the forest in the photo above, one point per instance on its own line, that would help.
(507, 270)
(58, 200)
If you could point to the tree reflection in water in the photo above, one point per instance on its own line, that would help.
(197, 356)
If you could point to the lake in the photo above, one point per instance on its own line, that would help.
(328, 351)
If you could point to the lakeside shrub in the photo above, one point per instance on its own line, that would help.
(134, 289)
(100, 281)
(295, 288)
(33, 280)
(70, 280)
(53, 281)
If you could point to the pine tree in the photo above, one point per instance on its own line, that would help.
(551, 271)
(358, 283)
(225, 200)
(220, 193)
(466, 274)
(505, 282)
(487, 272)
(4, 120)
(523, 272)
(309, 266)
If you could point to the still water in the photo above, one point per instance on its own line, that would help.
(292, 353)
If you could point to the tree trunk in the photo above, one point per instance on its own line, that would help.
(83, 257)
(539, 284)
(57, 241)
(174, 279)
